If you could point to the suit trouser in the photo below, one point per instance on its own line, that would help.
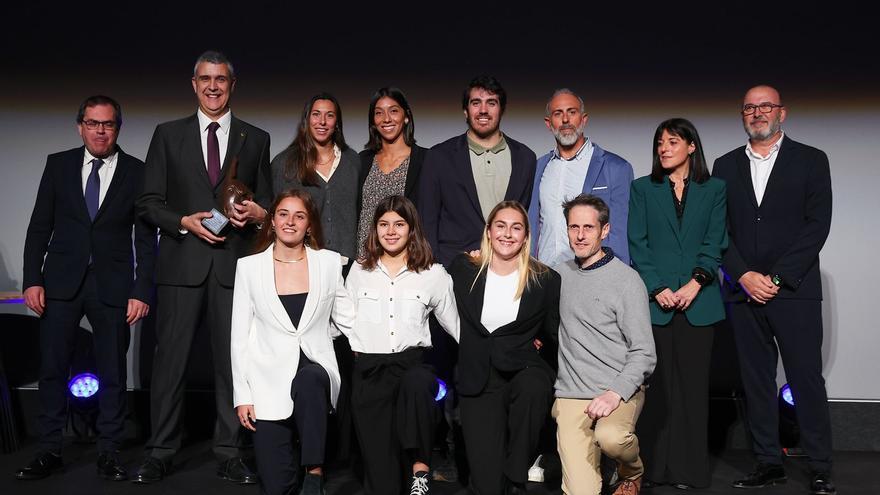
(274, 448)
(111, 334)
(582, 441)
(673, 427)
(394, 413)
(180, 309)
(791, 328)
(502, 425)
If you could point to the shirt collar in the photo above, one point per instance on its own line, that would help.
(225, 121)
(384, 269)
(108, 161)
(587, 146)
(479, 149)
(609, 255)
(773, 149)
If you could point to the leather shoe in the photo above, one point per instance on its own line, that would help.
(313, 484)
(763, 475)
(236, 471)
(110, 468)
(41, 466)
(151, 470)
(821, 484)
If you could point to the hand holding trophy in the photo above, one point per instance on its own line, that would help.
(232, 192)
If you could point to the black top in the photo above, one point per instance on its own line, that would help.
(679, 203)
(294, 304)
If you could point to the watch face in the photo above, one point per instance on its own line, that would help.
(776, 280)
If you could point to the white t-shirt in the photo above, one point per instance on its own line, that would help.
(499, 305)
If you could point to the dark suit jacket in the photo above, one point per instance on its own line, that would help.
(177, 185)
(665, 254)
(510, 347)
(61, 230)
(448, 203)
(784, 235)
(411, 189)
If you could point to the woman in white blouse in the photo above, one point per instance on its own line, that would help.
(395, 286)
(509, 304)
(285, 377)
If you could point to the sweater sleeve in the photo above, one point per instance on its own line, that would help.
(634, 321)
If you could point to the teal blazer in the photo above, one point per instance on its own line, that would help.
(665, 254)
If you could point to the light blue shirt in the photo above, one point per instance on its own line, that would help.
(562, 180)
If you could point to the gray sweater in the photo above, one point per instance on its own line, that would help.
(605, 337)
(336, 200)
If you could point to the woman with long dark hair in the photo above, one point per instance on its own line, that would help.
(391, 161)
(319, 161)
(506, 301)
(284, 371)
(395, 286)
(677, 233)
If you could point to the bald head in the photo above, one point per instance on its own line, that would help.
(763, 114)
(762, 93)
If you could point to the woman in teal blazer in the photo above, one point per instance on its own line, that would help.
(677, 232)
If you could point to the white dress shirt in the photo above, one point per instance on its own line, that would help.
(500, 304)
(563, 179)
(222, 134)
(392, 312)
(105, 173)
(762, 166)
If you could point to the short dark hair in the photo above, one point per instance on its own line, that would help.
(214, 57)
(375, 141)
(588, 200)
(93, 101)
(684, 129)
(490, 84)
(419, 256)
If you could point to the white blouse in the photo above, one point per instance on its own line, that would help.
(500, 306)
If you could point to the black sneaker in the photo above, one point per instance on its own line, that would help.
(763, 475)
(821, 484)
(419, 484)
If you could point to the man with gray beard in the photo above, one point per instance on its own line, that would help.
(577, 165)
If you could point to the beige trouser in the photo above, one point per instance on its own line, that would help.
(582, 442)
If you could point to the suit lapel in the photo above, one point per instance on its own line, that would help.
(693, 208)
(237, 135)
(270, 293)
(122, 168)
(73, 177)
(192, 150)
(662, 198)
(596, 163)
(745, 175)
(315, 289)
(475, 301)
(777, 175)
(466, 172)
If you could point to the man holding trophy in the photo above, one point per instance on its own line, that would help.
(190, 167)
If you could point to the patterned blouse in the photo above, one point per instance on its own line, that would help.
(377, 187)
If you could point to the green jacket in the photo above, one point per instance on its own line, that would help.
(665, 254)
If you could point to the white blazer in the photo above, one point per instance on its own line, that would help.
(265, 344)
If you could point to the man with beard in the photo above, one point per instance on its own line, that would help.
(463, 178)
(577, 165)
(779, 215)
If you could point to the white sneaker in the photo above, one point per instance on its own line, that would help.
(536, 472)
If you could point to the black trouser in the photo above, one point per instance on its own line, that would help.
(274, 447)
(180, 310)
(792, 328)
(111, 335)
(502, 426)
(395, 416)
(673, 426)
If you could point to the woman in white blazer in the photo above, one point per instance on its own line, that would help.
(284, 371)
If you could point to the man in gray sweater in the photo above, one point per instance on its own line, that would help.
(606, 352)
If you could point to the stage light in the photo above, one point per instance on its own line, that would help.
(441, 390)
(785, 392)
(789, 431)
(83, 385)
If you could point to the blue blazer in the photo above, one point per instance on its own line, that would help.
(608, 177)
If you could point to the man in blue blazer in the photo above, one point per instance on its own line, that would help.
(577, 165)
(82, 225)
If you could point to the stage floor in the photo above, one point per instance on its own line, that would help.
(853, 474)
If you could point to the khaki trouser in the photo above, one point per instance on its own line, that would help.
(582, 442)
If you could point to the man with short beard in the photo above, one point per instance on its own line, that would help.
(577, 165)
(779, 215)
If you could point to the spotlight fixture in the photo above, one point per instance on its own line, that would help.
(83, 385)
(441, 390)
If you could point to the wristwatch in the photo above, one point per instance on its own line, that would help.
(777, 281)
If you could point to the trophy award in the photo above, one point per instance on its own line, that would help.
(232, 192)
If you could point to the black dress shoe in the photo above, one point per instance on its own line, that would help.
(763, 475)
(110, 468)
(236, 471)
(821, 484)
(41, 466)
(151, 470)
(313, 484)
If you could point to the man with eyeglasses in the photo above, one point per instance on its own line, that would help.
(187, 163)
(779, 215)
(78, 260)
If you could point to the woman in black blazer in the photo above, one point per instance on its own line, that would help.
(391, 161)
(508, 303)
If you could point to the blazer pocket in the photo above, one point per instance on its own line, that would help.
(369, 308)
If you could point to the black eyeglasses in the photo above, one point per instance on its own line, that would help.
(765, 107)
(108, 125)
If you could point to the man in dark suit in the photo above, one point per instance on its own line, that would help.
(82, 225)
(196, 268)
(463, 178)
(779, 215)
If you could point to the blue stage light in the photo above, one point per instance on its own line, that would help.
(83, 385)
(441, 390)
(786, 395)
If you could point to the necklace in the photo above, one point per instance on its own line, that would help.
(289, 261)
